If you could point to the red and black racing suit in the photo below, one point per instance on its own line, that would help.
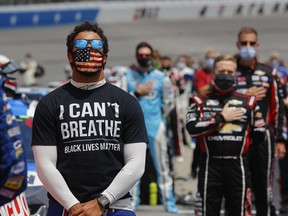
(223, 162)
(261, 157)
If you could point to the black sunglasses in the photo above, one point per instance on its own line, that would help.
(143, 55)
(228, 71)
(245, 43)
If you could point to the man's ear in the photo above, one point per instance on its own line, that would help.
(105, 59)
(238, 45)
(257, 45)
(69, 56)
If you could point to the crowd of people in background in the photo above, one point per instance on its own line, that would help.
(30, 71)
(194, 78)
(164, 87)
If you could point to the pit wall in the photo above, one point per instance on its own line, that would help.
(133, 11)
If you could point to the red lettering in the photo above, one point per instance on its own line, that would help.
(9, 209)
(16, 207)
(24, 204)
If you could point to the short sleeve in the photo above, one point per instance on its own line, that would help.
(134, 124)
(43, 130)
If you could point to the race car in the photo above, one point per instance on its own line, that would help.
(18, 170)
(23, 108)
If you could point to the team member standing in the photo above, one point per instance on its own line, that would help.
(224, 121)
(154, 92)
(174, 123)
(254, 78)
(202, 83)
(89, 137)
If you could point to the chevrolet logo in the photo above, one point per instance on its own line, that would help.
(229, 128)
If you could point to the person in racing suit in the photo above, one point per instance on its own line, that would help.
(155, 95)
(225, 122)
(254, 78)
(277, 62)
(13, 168)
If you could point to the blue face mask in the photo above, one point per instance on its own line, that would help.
(181, 65)
(209, 63)
(247, 53)
(274, 63)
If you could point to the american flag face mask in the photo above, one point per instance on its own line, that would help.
(88, 60)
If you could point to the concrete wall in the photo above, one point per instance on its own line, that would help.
(132, 11)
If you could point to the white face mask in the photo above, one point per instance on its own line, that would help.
(209, 63)
(247, 53)
(181, 65)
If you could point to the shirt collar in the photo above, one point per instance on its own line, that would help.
(88, 86)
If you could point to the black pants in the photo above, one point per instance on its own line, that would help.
(196, 157)
(261, 160)
(175, 127)
(223, 178)
(283, 165)
(148, 177)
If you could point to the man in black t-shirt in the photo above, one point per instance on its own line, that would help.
(89, 137)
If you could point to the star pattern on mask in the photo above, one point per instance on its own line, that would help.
(82, 56)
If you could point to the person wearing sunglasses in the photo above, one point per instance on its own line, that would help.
(89, 137)
(255, 78)
(155, 94)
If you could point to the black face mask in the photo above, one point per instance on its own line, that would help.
(144, 62)
(224, 81)
(167, 68)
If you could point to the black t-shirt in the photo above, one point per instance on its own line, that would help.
(89, 128)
